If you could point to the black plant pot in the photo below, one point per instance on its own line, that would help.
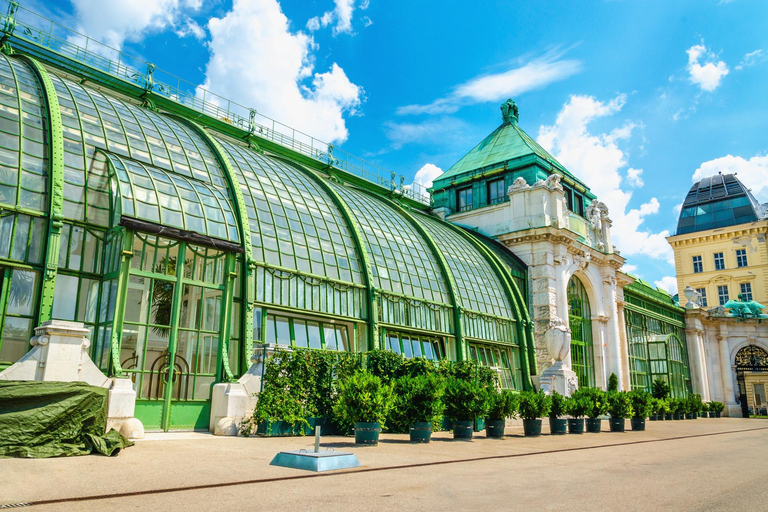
(421, 432)
(594, 425)
(558, 426)
(576, 425)
(494, 429)
(668, 417)
(678, 416)
(654, 417)
(462, 429)
(367, 433)
(532, 428)
(638, 424)
(617, 424)
(717, 415)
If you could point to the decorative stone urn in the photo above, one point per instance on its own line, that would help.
(558, 377)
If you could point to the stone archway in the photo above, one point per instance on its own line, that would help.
(751, 364)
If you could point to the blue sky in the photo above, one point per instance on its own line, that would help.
(635, 97)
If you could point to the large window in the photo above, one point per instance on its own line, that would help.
(464, 199)
(697, 266)
(741, 258)
(410, 345)
(702, 296)
(746, 291)
(496, 192)
(306, 333)
(500, 359)
(719, 261)
(580, 322)
(722, 294)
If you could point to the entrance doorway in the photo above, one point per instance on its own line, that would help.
(172, 330)
(751, 375)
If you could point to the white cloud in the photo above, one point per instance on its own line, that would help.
(753, 173)
(341, 14)
(441, 131)
(629, 269)
(597, 160)
(257, 60)
(191, 28)
(667, 283)
(534, 74)
(704, 68)
(677, 208)
(427, 174)
(116, 21)
(752, 59)
(635, 177)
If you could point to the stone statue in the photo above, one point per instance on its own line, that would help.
(509, 112)
(518, 184)
(553, 181)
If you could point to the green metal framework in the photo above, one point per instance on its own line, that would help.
(580, 323)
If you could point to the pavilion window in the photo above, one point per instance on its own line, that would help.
(306, 333)
(464, 199)
(411, 346)
(496, 192)
(500, 359)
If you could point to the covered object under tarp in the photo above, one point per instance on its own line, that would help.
(54, 419)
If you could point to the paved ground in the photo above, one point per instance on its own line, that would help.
(706, 464)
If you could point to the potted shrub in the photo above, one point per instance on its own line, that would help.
(661, 406)
(660, 389)
(533, 406)
(576, 407)
(363, 400)
(557, 424)
(643, 405)
(704, 409)
(696, 405)
(501, 405)
(677, 406)
(716, 408)
(464, 400)
(418, 404)
(596, 408)
(620, 408)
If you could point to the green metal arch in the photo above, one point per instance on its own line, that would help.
(245, 235)
(55, 188)
(524, 324)
(357, 237)
(458, 330)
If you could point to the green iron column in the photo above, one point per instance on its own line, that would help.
(523, 324)
(249, 277)
(462, 352)
(357, 238)
(55, 188)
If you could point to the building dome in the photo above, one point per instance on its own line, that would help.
(716, 202)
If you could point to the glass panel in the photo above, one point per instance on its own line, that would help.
(22, 293)
(314, 336)
(300, 334)
(63, 305)
(283, 330)
(16, 335)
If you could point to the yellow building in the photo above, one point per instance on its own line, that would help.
(720, 244)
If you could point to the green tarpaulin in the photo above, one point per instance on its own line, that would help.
(54, 419)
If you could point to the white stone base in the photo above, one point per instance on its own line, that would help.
(559, 378)
(229, 400)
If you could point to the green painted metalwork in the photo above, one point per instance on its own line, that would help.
(360, 248)
(243, 221)
(56, 181)
(447, 273)
(120, 304)
(580, 323)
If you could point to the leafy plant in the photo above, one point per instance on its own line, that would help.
(677, 405)
(577, 406)
(596, 399)
(385, 364)
(558, 407)
(418, 398)
(716, 407)
(661, 406)
(464, 399)
(502, 404)
(534, 404)
(695, 404)
(613, 382)
(363, 397)
(619, 404)
(660, 389)
(642, 403)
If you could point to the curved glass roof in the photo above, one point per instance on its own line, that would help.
(148, 193)
(716, 202)
(478, 287)
(93, 120)
(294, 223)
(23, 159)
(401, 260)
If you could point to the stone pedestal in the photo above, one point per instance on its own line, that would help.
(60, 353)
(558, 378)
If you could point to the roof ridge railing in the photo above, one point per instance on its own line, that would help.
(31, 27)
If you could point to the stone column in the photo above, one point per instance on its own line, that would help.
(624, 345)
(613, 337)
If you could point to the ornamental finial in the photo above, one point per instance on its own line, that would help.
(509, 112)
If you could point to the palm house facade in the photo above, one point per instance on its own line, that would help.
(185, 238)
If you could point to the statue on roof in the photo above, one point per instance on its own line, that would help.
(509, 112)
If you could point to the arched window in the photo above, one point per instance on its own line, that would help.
(580, 322)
